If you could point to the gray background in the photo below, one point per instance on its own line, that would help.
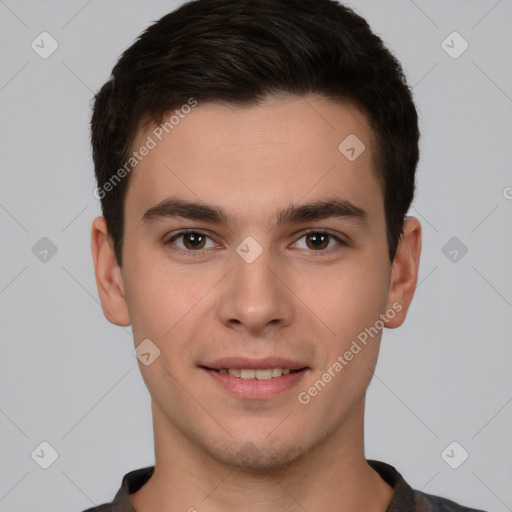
(69, 378)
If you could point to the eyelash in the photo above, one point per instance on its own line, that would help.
(200, 252)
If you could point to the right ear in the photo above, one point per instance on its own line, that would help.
(108, 275)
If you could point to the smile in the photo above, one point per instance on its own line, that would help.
(260, 374)
(256, 384)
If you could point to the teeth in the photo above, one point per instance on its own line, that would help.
(264, 374)
(260, 374)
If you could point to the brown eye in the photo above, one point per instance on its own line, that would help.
(191, 241)
(317, 240)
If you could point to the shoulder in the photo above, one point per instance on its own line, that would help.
(429, 503)
(112, 507)
(407, 499)
(131, 483)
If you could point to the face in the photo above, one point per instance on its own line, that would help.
(284, 266)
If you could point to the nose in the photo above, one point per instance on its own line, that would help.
(255, 297)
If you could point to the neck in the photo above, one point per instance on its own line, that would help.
(332, 476)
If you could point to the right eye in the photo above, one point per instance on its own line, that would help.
(191, 241)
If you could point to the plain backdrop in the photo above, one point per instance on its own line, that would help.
(70, 379)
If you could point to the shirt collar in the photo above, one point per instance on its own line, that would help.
(403, 496)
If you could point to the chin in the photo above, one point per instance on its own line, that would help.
(258, 457)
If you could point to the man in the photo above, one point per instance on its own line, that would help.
(255, 161)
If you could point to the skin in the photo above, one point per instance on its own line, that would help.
(295, 301)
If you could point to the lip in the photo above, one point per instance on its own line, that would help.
(254, 389)
(254, 364)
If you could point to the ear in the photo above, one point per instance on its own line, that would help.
(404, 271)
(108, 275)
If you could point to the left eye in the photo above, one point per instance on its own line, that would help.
(319, 240)
(192, 241)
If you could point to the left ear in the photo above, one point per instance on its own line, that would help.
(404, 271)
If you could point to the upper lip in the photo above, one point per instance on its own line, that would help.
(257, 364)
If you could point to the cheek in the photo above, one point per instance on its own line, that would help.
(161, 305)
(165, 301)
(350, 298)
(352, 310)
(151, 294)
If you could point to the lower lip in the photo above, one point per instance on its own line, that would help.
(255, 388)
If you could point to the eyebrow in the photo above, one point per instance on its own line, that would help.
(313, 211)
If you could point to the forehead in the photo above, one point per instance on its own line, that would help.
(250, 159)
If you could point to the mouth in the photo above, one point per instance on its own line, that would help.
(258, 374)
(255, 379)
